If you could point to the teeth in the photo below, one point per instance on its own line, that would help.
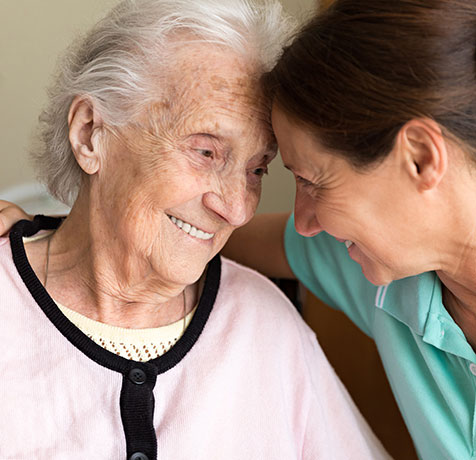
(191, 230)
(348, 244)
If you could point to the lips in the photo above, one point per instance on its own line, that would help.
(191, 230)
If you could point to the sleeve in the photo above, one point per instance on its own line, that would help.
(335, 428)
(323, 265)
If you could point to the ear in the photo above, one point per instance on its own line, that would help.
(424, 152)
(85, 125)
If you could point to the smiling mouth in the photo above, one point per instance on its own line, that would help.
(190, 229)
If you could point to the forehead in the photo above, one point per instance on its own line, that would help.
(298, 147)
(209, 84)
(302, 152)
(304, 155)
(212, 68)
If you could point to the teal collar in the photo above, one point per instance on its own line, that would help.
(417, 302)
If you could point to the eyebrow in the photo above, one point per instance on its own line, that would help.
(271, 152)
(218, 137)
(296, 173)
(207, 135)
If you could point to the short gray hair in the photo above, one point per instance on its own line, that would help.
(112, 63)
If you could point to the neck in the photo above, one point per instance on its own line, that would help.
(96, 273)
(461, 305)
(459, 288)
(452, 237)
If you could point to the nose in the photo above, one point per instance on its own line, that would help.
(305, 215)
(231, 202)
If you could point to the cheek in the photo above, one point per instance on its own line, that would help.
(138, 204)
(351, 214)
(164, 190)
(304, 205)
(139, 220)
(252, 202)
(381, 249)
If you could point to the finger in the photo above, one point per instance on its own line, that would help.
(10, 214)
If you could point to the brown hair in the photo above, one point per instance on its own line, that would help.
(355, 74)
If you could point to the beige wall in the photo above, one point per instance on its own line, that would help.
(32, 34)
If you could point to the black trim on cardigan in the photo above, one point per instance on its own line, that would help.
(137, 399)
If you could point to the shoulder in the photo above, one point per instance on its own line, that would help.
(257, 301)
(249, 282)
(9, 276)
(5, 251)
(4, 241)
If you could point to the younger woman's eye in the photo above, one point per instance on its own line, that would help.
(303, 181)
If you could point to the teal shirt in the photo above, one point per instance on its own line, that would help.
(429, 363)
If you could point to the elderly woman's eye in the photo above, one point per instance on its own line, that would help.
(205, 152)
(260, 171)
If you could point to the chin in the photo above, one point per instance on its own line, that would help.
(378, 277)
(191, 275)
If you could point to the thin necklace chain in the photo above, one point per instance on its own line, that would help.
(47, 266)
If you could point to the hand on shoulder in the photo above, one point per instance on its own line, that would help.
(10, 214)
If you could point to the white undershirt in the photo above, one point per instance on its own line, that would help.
(134, 344)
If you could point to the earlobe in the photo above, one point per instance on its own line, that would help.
(84, 126)
(424, 152)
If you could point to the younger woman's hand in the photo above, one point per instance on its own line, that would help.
(10, 214)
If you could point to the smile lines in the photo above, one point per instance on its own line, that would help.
(191, 230)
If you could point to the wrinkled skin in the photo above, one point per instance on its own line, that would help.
(378, 209)
(198, 155)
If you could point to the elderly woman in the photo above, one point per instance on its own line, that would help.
(124, 335)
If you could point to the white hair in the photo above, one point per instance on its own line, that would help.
(112, 65)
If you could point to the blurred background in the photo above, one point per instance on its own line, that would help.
(32, 35)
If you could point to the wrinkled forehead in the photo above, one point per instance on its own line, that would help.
(209, 78)
(214, 67)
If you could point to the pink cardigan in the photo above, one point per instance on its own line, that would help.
(247, 381)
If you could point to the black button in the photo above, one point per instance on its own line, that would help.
(138, 377)
(138, 455)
